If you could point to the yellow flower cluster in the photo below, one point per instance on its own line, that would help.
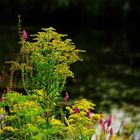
(79, 121)
(83, 104)
(63, 69)
(9, 128)
(40, 93)
(25, 105)
(69, 109)
(97, 116)
(30, 104)
(55, 122)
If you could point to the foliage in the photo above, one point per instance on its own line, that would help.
(44, 65)
(27, 119)
(81, 122)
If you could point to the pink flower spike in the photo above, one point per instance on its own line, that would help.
(76, 110)
(103, 125)
(25, 36)
(89, 114)
(101, 122)
(66, 97)
(109, 121)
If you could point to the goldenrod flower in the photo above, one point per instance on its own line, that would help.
(9, 128)
(2, 111)
(97, 116)
(56, 122)
(69, 109)
(83, 105)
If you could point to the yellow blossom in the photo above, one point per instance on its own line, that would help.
(40, 92)
(56, 122)
(2, 111)
(9, 128)
(97, 116)
(69, 109)
(83, 105)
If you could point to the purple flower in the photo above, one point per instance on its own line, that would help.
(89, 114)
(76, 110)
(102, 123)
(66, 97)
(109, 120)
(106, 125)
(25, 36)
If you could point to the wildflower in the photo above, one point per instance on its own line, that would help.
(25, 36)
(56, 122)
(102, 123)
(69, 109)
(84, 105)
(109, 121)
(9, 128)
(106, 126)
(97, 116)
(66, 97)
(89, 114)
(2, 111)
(76, 110)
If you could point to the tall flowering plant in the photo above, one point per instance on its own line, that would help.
(82, 122)
(44, 65)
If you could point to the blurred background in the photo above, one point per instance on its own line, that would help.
(109, 31)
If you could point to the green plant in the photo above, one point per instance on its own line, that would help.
(81, 122)
(44, 65)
